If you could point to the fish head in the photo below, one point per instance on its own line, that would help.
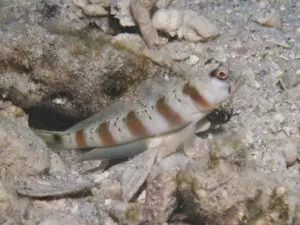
(212, 89)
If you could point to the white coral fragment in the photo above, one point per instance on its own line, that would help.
(167, 20)
(121, 11)
(140, 11)
(186, 24)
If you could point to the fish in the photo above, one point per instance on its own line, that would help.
(126, 128)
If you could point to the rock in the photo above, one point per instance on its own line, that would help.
(208, 191)
(22, 153)
(59, 221)
(6, 206)
(64, 211)
(91, 9)
(108, 189)
(79, 64)
(124, 213)
(160, 198)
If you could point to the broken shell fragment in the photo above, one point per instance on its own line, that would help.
(37, 188)
(136, 173)
(272, 20)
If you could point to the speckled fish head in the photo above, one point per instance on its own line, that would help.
(211, 90)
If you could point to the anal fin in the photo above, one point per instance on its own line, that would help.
(116, 152)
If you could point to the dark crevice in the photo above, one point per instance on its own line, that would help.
(114, 84)
(187, 215)
(45, 117)
(51, 116)
(116, 27)
(49, 10)
(18, 67)
(220, 116)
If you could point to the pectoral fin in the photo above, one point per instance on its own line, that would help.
(117, 151)
(203, 125)
(52, 138)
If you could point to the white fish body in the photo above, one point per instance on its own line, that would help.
(124, 129)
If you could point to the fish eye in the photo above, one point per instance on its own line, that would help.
(220, 73)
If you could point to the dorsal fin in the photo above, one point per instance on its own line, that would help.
(156, 87)
(105, 114)
(146, 93)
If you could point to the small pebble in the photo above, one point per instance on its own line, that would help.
(290, 153)
(59, 101)
(263, 4)
(281, 43)
(193, 59)
(228, 11)
(279, 117)
(282, 7)
(280, 191)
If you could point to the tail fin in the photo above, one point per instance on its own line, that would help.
(52, 138)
